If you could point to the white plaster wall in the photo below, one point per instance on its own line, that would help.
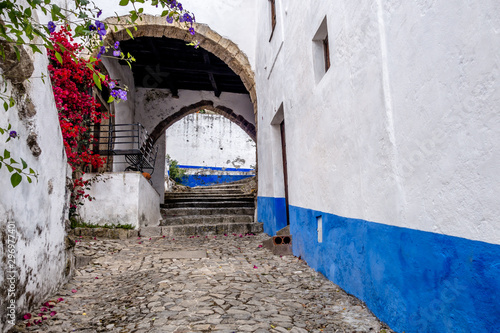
(403, 129)
(155, 105)
(233, 19)
(122, 198)
(38, 210)
(210, 140)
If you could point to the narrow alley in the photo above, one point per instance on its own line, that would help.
(199, 284)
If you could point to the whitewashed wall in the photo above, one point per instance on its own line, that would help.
(407, 116)
(37, 212)
(210, 140)
(122, 198)
(394, 149)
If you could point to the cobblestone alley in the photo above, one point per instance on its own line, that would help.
(201, 284)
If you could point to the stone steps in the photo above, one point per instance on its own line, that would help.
(207, 210)
(206, 219)
(188, 211)
(208, 204)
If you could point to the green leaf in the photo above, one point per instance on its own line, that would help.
(29, 179)
(15, 179)
(12, 102)
(97, 81)
(35, 48)
(13, 161)
(133, 15)
(6, 154)
(129, 33)
(9, 127)
(25, 165)
(111, 99)
(5, 106)
(59, 58)
(18, 55)
(124, 2)
(9, 168)
(32, 171)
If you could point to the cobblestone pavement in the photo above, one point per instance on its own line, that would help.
(216, 284)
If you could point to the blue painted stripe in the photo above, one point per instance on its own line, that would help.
(207, 180)
(271, 212)
(214, 168)
(415, 281)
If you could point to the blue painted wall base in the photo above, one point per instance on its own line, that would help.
(414, 281)
(207, 180)
(271, 212)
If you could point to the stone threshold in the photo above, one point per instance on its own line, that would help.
(108, 233)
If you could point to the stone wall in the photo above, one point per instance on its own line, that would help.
(32, 216)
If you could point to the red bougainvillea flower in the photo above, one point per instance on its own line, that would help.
(27, 316)
(96, 277)
(255, 267)
(53, 313)
(260, 245)
(74, 291)
(60, 299)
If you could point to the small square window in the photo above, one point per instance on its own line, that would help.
(321, 51)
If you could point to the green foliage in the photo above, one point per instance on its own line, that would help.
(15, 168)
(176, 173)
(76, 223)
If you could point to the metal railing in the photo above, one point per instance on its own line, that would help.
(129, 140)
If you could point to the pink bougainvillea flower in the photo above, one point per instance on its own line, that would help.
(260, 245)
(53, 313)
(28, 324)
(60, 299)
(44, 309)
(149, 238)
(234, 234)
(74, 291)
(241, 235)
(138, 237)
(225, 235)
(255, 267)
(95, 238)
(140, 242)
(96, 278)
(173, 238)
(163, 236)
(27, 316)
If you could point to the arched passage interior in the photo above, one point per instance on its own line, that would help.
(170, 80)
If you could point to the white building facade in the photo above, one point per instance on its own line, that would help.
(391, 153)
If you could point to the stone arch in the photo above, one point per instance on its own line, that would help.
(223, 48)
(159, 129)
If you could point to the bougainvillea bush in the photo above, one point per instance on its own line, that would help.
(72, 82)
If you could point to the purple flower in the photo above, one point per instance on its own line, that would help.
(116, 53)
(187, 18)
(191, 31)
(122, 94)
(170, 19)
(114, 93)
(92, 27)
(101, 28)
(111, 85)
(52, 27)
(13, 134)
(179, 5)
(99, 13)
(117, 45)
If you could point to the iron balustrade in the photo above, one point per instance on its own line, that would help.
(129, 140)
